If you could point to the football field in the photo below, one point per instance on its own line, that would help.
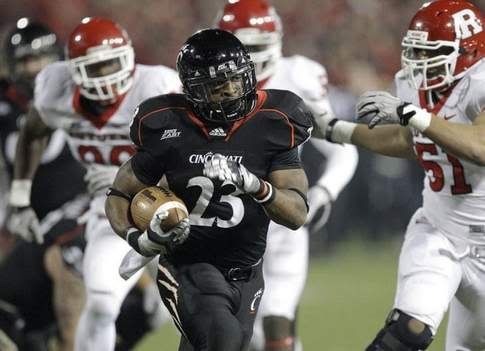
(347, 297)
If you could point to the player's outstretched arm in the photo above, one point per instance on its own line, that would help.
(117, 205)
(289, 206)
(32, 141)
(462, 140)
(388, 140)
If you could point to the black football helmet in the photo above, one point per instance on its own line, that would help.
(29, 47)
(218, 76)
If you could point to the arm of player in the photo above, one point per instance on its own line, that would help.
(341, 163)
(389, 140)
(289, 205)
(462, 140)
(117, 207)
(32, 141)
(283, 196)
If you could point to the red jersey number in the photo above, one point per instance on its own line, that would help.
(118, 154)
(436, 183)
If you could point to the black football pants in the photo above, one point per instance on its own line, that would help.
(214, 309)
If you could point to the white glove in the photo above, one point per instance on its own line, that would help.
(23, 222)
(218, 167)
(154, 240)
(318, 197)
(99, 178)
(379, 106)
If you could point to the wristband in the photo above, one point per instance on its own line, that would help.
(20, 190)
(421, 119)
(269, 196)
(339, 131)
(263, 190)
(132, 236)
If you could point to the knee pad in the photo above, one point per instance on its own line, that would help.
(402, 333)
(279, 333)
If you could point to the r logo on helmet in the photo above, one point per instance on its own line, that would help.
(464, 21)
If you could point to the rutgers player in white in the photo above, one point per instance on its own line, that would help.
(438, 118)
(258, 27)
(92, 96)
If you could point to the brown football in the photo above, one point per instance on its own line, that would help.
(148, 200)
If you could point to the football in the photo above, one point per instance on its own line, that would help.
(148, 200)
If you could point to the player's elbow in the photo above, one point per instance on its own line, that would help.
(297, 225)
(298, 219)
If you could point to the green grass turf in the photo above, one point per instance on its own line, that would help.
(346, 300)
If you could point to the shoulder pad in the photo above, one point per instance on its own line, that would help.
(291, 114)
(157, 80)
(51, 83)
(308, 77)
(153, 114)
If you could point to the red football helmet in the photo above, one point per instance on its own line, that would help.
(101, 59)
(257, 25)
(444, 39)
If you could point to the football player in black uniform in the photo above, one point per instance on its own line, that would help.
(32, 274)
(230, 153)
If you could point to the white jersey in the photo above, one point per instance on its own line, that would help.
(308, 79)
(100, 139)
(454, 189)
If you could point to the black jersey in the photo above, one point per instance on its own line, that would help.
(59, 178)
(228, 228)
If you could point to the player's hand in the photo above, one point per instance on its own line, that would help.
(23, 222)
(99, 178)
(154, 240)
(376, 107)
(218, 167)
(319, 202)
(174, 236)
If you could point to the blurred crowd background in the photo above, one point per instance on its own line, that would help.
(358, 41)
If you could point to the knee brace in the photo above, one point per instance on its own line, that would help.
(402, 333)
(279, 333)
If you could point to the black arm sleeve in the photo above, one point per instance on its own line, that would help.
(289, 159)
(147, 168)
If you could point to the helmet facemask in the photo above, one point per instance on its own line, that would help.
(223, 96)
(429, 64)
(118, 63)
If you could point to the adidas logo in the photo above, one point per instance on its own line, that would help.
(170, 133)
(217, 132)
